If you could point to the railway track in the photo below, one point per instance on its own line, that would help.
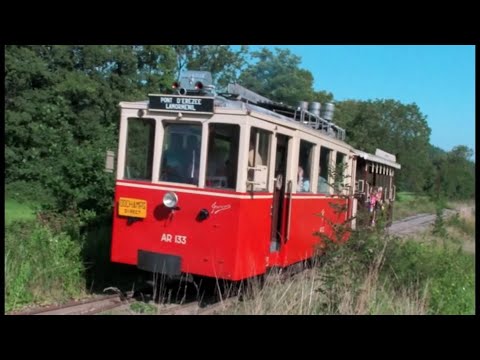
(194, 308)
(85, 307)
(122, 302)
(414, 223)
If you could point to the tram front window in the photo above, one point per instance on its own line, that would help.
(140, 144)
(222, 156)
(181, 153)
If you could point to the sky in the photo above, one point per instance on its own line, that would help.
(440, 79)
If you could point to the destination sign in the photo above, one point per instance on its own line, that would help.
(178, 103)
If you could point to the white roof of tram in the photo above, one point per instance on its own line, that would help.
(380, 157)
(219, 102)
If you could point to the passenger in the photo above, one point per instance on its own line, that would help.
(322, 186)
(367, 196)
(379, 202)
(300, 179)
(373, 202)
(306, 185)
(379, 194)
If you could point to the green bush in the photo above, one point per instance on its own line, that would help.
(404, 196)
(448, 273)
(439, 224)
(351, 260)
(40, 266)
(452, 289)
(32, 193)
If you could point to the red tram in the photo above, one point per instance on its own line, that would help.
(229, 184)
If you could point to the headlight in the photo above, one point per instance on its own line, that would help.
(170, 199)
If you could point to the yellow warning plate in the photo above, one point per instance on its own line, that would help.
(132, 207)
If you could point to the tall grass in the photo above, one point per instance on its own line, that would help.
(309, 294)
(463, 221)
(374, 273)
(345, 280)
(40, 266)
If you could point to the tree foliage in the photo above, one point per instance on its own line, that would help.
(61, 114)
(397, 128)
(224, 63)
(452, 173)
(278, 76)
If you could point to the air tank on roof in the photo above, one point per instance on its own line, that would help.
(314, 108)
(303, 105)
(328, 111)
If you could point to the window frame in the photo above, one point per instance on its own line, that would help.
(122, 168)
(313, 156)
(160, 143)
(207, 139)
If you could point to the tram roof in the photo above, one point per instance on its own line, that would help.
(377, 159)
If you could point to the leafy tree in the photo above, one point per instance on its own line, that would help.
(321, 96)
(61, 113)
(394, 127)
(224, 63)
(156, 65)
(278, 76)
(457, 174)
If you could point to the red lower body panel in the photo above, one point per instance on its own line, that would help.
(232, 243)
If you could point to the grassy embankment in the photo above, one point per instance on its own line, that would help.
(432, 273)
(48, 262)
(40, 266)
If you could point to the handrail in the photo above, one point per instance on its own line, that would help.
(289, 213)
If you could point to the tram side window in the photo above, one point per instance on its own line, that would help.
(258, 159)
(222, 158)
(140, 147)
(181, 153)
(340, 167)
(305, 159)
(322, 185)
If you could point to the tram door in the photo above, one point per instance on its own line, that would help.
(278, 203)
